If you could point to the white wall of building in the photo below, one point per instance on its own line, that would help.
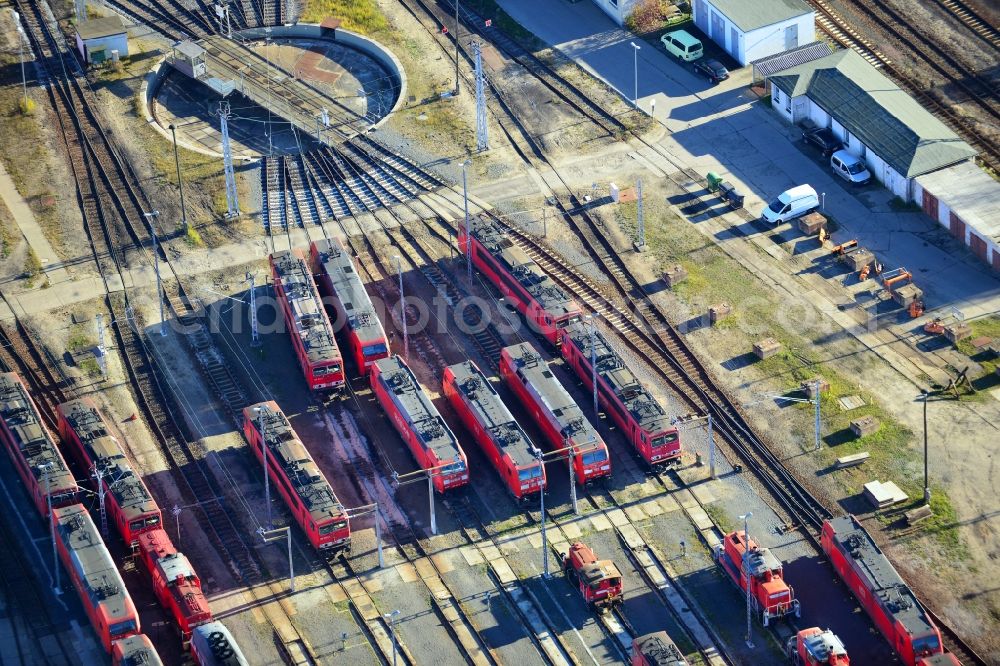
(618, 10)
(113, 43)
(755, 44)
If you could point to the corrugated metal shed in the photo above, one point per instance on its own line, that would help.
(765, 67)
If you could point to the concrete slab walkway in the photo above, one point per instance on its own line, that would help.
(30, 229)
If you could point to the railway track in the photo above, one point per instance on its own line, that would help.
(973, 21)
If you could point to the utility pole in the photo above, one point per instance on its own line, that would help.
(47, 468)
(391, 617)
(927, 487)
(232, 198)
(457, 25)
(746, 569)
(254, 328)
(468, 221)
(180, 181)
(267, 475)
(541, 495)
(640, 241)
(156, 267)
(482, 130)
(277, 535)
(593, 358)
(572, 474)
(99, 476)
(267, 79)
(402, 308)
(430, 495)
(102, 351)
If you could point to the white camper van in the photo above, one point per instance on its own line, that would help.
(791, 204)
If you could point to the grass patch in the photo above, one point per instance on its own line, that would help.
(79, 342)
(988, 327)
(720, 517)
(502, 20)
(361, 16)
(900, 206)
(90, 367)
(32, 266)
(8, 236)
(193, 238)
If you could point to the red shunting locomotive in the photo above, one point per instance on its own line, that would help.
(772, 597)
(599, 581)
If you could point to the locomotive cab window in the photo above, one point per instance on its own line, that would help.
(121, 628)
(332, 527)
(530, 473)
(594, 457)
(926, 644)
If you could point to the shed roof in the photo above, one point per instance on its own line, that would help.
(101, 27)
(749, 16)
(971, 195)
(874, 109)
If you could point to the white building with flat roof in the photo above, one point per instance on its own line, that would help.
(753, 29)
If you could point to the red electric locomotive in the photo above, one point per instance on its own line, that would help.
(547, 308)
(500, 437)
(944, 659)
(552, 407)
(175, 582)
(135, 650)
(418, 422)
(772, 597)
(213, 645)
(816, 647)
(94, 575)
(301, 483)
(636, 412)
(132, 507)
(36, 457)
(308, 325)
(656, 649)
(339, 284)
(885, 597)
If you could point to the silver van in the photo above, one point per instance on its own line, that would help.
(850, 167)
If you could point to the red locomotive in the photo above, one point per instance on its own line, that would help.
(132, 507)
(636, 412)
(552, 407)
(308, 325)
(213, 645)
(772, 596)
(494, 428)
(885, 597)
(175, 582)
(816, 647)
(136, 650)
(546, 307)
(656, 649)
(35, 455)
(419, 424)
(301, 483)
(94, 575)
(599, 581)
(339, 284)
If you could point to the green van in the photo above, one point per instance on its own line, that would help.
(683, 45)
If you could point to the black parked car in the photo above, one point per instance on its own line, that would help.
(822, 138)
(713, 69)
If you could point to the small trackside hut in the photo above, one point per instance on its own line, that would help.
(356, 320)
(33, 450)
(94, 575)
(546, 307)
(132, 508)
(555, 411)
(888, 600)
(772, 597)
(307, 322)
(418, 422)
(306, 492)
(499, 436)
(637, 413)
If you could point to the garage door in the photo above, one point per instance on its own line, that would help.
(978, 246)
(957, 227)
(701, 15)
(931, 205)
(996, 260)
(718, 30)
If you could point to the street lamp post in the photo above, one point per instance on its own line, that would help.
(635, 54)
(180, 182)
(746, 569)
(572, 474)
(402, 308)
(391, 617)
(456, 48)
(927, 487)
(177, 519)
(267, 475)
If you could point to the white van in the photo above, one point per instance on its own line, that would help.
(791, 204)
